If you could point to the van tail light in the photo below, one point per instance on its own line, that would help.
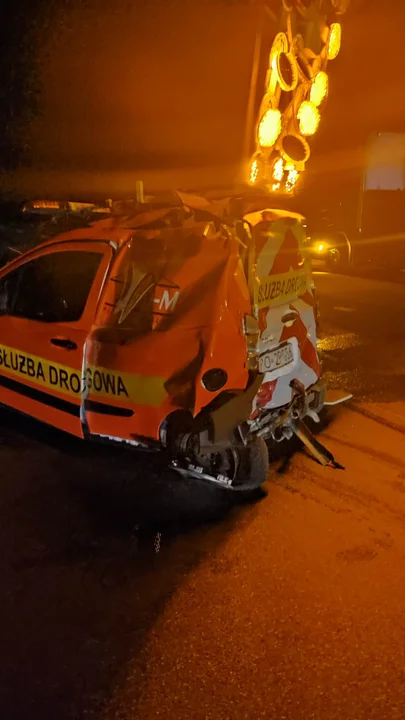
(251, 331)
(214, 379)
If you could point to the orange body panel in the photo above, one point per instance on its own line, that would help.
(165, 308)
(188, 320)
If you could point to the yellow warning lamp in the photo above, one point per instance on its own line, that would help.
(269, 128)
(335, 40)
(292, 178)
(309, 118)
(278, 170)
(254, 171)
(319, 88)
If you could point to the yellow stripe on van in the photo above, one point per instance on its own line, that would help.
(97, 381)
(280, 289)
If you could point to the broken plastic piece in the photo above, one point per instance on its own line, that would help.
(337, 397)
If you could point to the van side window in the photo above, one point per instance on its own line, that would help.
(51, 288)
(8, 289)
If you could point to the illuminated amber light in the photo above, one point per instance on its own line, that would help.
(335, 40)
(254, 172)
(319, 88)
(45, 205)
(309, 118)
(292, 179)
(278, 170)
(296, 91)
(269, 128)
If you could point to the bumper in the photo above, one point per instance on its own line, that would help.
(277, 424)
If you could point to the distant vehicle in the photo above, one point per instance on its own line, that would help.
(167, 328)
(360, 223)
(26, 224)
(57, 208)
(328, 245)
(380, 239)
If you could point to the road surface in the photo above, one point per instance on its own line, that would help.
(363, 336)
(145, 597)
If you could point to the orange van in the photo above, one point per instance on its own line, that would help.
(185, 327)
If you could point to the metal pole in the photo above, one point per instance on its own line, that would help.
(139, 191)
(250, 119)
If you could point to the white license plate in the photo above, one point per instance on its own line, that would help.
(277, 358)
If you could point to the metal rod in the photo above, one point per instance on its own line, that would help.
(253, 79)
(320, 453)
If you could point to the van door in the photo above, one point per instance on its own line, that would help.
(285, 307)
(48, 300)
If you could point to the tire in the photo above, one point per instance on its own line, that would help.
(338, 258)
(253, 466)
(242, 468)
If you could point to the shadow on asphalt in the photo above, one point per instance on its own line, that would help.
(94, 543)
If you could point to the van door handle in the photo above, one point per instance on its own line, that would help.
(64, 343)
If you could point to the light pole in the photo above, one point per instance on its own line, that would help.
(253, 79)
(262, 11)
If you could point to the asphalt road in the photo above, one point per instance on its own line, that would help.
(362, 344)
(126, 593)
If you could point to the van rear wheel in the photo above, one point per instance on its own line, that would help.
(253, 466)
(240, 468)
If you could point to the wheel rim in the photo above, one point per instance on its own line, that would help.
(221, 463)
(334, 256)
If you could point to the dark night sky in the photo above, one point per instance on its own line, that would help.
(145, 81)
(151, 83)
